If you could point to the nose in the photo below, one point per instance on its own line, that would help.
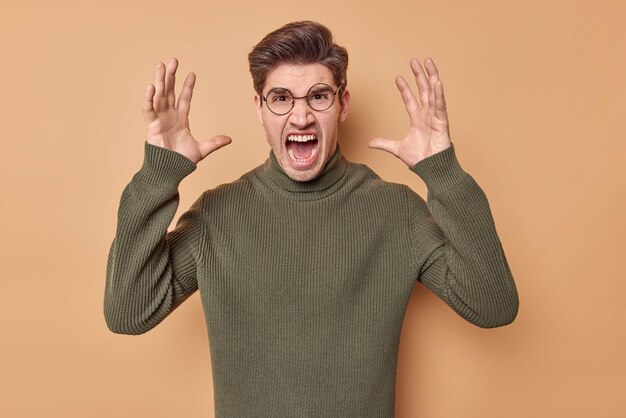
(301, 114)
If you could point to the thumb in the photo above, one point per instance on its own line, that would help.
(388, 145)
(207, 146)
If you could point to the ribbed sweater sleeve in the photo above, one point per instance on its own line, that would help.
(150, 271)
(464, 263)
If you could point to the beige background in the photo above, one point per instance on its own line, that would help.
(536, 95)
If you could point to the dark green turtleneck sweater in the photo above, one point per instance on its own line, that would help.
(304, 285)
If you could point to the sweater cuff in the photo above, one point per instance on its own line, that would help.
(440, 171)
(163, 167)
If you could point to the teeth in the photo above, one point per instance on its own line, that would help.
(301, 138)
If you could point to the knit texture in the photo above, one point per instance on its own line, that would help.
(304, 285)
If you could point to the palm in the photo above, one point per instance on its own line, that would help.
(168, 121)
(171, 130)
(428, 133)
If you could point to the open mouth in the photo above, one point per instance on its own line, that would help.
(302, 148)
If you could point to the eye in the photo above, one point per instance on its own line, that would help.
(280, 98)
(322, 95)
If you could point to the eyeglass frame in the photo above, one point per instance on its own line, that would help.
(306, 97)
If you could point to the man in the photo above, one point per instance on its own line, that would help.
(306, 263)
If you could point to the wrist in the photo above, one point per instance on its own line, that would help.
(440, 171)
(164, 167)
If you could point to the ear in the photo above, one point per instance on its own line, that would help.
(259, 111)
(343, 112)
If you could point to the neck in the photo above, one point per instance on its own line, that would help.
(331, 173)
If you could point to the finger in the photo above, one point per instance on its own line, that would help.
(209, 145)
(441, 111)
(433, 77)
(410, 102)
(159, 85)
(147, 107)
(170, 82)
(184, 100)
(388, 145)
(422, 82)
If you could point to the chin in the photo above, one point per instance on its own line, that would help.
(304, 170)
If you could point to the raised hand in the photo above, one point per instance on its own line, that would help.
(168, 121)
(429, 133)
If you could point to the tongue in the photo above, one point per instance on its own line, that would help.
(303, 150)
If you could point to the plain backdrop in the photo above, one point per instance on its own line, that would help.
(535, 93)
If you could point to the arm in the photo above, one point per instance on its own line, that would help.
(150, 272)
(461, 258)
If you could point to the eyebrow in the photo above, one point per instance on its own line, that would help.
(320, 88)
(279, 90)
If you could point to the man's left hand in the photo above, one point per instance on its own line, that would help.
(429, 133)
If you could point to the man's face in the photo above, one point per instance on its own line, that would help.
(303, 140)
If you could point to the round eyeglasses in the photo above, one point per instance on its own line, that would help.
(320, 97)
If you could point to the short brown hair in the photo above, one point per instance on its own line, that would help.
(298, 43)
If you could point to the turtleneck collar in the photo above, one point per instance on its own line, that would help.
(332, 172)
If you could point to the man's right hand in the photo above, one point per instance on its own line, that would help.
(168, 121)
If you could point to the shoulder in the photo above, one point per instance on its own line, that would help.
(232, 193)
(367, 180)
(368, 185)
